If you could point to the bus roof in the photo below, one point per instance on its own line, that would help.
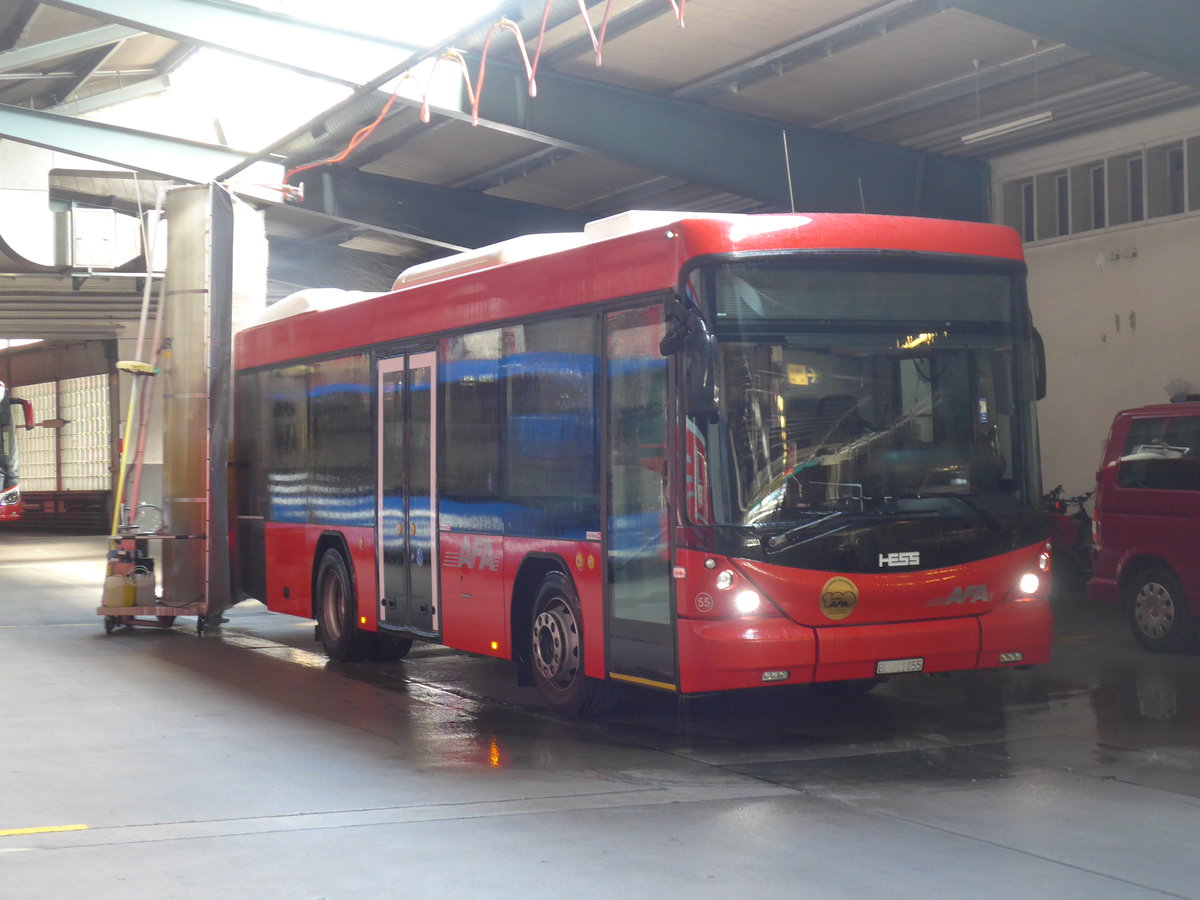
(631, 254)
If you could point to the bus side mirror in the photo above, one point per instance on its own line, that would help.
(1039, 366)
(700, 374)
(688, 334)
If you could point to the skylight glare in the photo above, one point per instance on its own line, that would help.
(223, 98)
(418, 23)
(13, 343)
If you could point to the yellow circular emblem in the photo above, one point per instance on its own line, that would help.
(839, 596)
(579, 560)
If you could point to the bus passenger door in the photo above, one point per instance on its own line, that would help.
(406, 530)
(641, 621)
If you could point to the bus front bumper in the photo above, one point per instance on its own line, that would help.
(744, 653)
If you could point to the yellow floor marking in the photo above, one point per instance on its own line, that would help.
(15, 831)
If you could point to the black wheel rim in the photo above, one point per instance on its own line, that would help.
(556, 644)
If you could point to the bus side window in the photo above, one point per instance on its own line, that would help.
(550, 377)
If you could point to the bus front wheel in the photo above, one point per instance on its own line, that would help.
(556, 646)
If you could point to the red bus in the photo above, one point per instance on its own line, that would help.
(692, 452)
(10, 478)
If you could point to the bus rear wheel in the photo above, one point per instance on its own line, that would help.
(337, 610)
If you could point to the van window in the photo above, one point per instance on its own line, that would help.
(1161, 454)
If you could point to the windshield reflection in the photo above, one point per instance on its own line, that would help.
(868, 414)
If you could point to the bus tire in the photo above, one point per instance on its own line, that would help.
(337, 611)
(556, 651)
(391, 646)
(1158, 611)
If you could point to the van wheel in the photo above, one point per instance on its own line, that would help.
(1158, 611)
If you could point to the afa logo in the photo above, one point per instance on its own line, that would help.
(839, 596)
(975, 593)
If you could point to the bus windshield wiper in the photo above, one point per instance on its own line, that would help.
(987, 517)
(776, 541)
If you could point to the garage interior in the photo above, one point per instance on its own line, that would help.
(403, 140)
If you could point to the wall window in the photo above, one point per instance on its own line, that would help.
(1137, 188)
(1192, 164)
(1157, 181)
(1166, 187)
(1097, 207)
(1051, 192)
(1087, 196)
(1018, 207)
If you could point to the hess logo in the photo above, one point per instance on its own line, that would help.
(839, 596)
(910, 558)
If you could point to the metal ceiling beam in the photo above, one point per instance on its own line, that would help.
(29, 58)
(989, 77)
(184, 160)
(834, 39)
(515, 168)
(1123, 98)
(19, 26)
(99, 101)
(1158, 37)
(447, 218)
(735, 152)
(86, 67)
(269, 37)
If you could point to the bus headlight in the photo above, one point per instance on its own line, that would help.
(747, 602)
(725, 580)
(1029, 583)
(10, 497)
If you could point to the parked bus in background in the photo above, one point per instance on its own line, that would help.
(691, 452)
(10, 478)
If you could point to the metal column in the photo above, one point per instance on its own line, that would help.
(197, 397)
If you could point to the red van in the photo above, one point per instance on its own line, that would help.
(1146, 523)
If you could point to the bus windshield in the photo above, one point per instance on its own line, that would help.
(865, 388)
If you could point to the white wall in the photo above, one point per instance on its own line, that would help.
(1116, 330)
(26, 222)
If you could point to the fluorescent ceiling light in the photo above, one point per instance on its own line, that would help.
(1008, 127)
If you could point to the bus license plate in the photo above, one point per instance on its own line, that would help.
(896, 666)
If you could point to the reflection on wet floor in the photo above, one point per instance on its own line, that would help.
(1103, 708)
(1078, 778)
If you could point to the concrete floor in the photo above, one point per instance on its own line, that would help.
(159, 764)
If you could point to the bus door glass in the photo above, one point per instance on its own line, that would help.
(406, 532)
(641, 641)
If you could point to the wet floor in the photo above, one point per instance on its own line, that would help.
(242, 762)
